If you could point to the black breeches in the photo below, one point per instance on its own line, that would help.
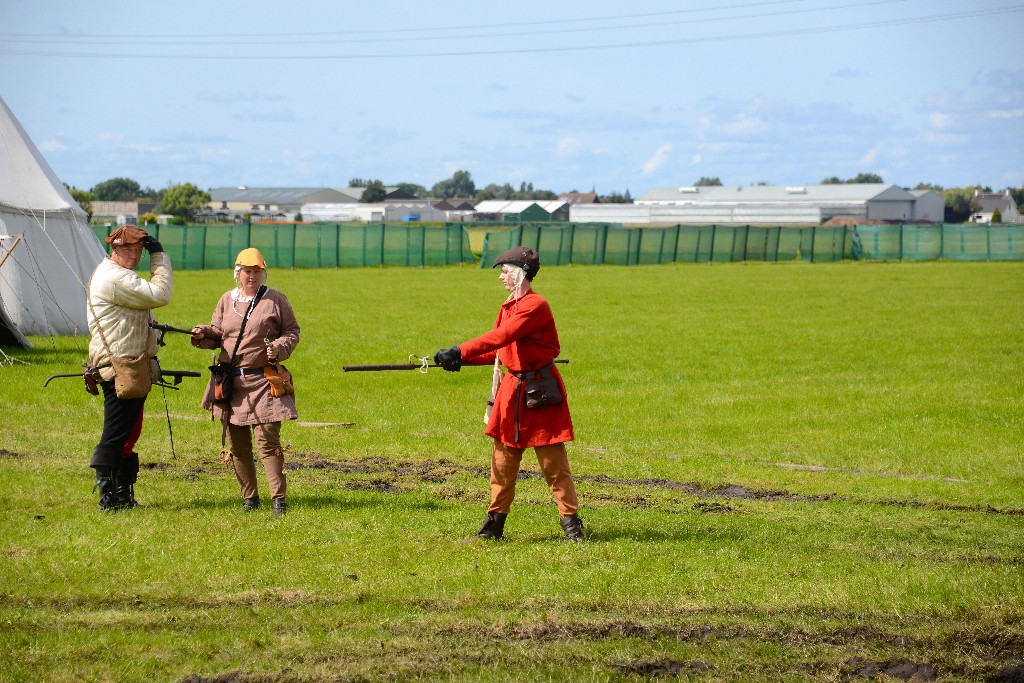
(120, 419)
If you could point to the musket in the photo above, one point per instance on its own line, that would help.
(422, 365)
(176, 375)
(69, 374)
(168, 328)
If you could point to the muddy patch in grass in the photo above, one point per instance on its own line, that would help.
(4, 453)
(378, 485)
(236, 677)
(899, 670)
(442, 471)
(666, 667)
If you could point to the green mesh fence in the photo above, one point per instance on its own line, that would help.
(334, 245)
(316, 245)
(592, 243)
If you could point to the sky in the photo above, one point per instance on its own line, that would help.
(595, 95)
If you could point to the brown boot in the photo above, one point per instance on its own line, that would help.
(494, 526)
(573, 526)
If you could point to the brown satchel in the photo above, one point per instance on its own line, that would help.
(133, 377)
(280, 380)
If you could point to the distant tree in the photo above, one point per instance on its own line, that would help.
(765, 183)
(857, 179)
(84, 198)
(374, 192)
(459, 185)
(413, 188)
(117, 190)
(495, 191)
(960, 203)
(1017, 194)
(929, 186)
(358, 182)
(708, 182)
(183, 201)
(996, 217)
(147, 219)
(298, 216)
(614, 198)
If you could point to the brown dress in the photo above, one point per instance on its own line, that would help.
(272, 319)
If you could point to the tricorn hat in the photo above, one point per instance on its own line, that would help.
(524, 257)
(126, 234)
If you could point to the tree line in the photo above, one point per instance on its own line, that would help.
(185, 200)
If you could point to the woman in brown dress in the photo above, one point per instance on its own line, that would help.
(270, 336)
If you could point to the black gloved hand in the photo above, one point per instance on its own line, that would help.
(449, 359)
(151, 245)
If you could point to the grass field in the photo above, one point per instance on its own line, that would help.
(788, 473)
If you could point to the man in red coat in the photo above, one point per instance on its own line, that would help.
(525, 341)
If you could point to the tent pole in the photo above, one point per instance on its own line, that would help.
(11, 248)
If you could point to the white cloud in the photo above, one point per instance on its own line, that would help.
(870, 156)
(567, 147)
(1007, 114)
(52, 146)
(695, 159)
(658, 160)
(116, 138)
(939, 120)
(149, 149)
(745, 126)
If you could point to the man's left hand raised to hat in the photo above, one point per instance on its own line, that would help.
(151, 244)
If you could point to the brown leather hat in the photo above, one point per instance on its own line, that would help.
(126, 234)
(524, 257)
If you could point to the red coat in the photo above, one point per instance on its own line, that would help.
(524, 338)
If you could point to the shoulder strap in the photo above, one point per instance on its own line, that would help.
(88, 300)
(252, 304)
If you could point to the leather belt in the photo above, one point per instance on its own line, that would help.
(521, 376)
(238, 372)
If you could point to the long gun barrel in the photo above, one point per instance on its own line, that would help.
(176, 375)
(411, 366)
(168, 328)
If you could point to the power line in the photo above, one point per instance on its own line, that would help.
(576, 48)
(289, 39)
(546, 22)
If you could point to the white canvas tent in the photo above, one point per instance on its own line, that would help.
(44, 275)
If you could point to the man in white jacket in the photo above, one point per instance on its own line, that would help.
(119, 313)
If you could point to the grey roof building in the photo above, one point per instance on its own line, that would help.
(269, 200)
(988, 202)
(764, 204)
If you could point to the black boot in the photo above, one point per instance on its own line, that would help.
(280, 507)
(124, 494)
(106, 482)
(250, 504)
(127, 475)
(494, 526)
(573, 526)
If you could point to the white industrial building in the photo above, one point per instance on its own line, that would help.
(768, 204)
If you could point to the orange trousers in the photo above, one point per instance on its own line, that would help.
(554, 464)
